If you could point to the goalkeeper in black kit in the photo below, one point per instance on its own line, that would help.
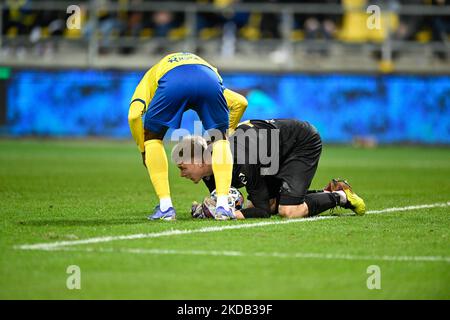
(275, 160)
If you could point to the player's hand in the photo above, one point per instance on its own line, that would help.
(238, 214)
(197, 210)
(143, 159)
(273, 205)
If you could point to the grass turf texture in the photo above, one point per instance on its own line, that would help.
(67, 190)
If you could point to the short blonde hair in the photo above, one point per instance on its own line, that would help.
(191, 149)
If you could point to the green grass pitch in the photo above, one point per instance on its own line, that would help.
(52, 191)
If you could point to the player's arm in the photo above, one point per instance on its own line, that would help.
(273, 203)
(138, 105)
(260, 209)
(210, 183)
(237, 104)
(258, 194)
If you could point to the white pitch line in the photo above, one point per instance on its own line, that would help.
(57, 244)
(424, 206)
(52, 245)
(298, 255)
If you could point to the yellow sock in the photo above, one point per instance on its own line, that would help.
(158, 169)
(222, 166)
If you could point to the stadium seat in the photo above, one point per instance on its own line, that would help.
(178, 33)
(11, 32)
(354, 24)
(45, 33)
(72, 33)
(423, 36)
(297, 35)
(251, 31)
(146, 33)
(354, 21)
(209, 33)
(389, 22)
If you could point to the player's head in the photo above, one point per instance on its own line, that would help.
(193, 157)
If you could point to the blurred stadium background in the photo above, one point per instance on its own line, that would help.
(314, 60)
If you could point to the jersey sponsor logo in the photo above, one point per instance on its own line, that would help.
(285, 187)
(182, 56)
(243, 178)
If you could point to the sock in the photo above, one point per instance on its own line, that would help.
(222, 201)
(320, 202)
(222, 166)
(342, 197)
(165, 203)
(158, 169)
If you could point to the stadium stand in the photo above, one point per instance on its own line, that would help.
(271, 35)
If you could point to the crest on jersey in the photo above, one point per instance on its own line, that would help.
(243, 178)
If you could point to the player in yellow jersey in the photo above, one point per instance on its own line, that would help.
(178, 82)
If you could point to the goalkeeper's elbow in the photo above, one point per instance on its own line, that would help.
(255, 213)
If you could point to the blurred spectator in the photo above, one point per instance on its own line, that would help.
(18, 20)
(48, 25)
(262, 25)
(318, 26)
(163, 22)
(423, 28)
(440, 28)
(211, 24)
(107, 24)
(133, 24)
(321, 27)
(409, 24)
(39, 29)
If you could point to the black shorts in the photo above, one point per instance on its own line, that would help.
(297, 170)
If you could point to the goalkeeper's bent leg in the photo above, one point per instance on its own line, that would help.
(158, 169)
(222, 166)
(322, 201)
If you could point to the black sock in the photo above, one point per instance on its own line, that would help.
(320, 202)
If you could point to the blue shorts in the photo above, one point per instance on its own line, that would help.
(190, 86)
